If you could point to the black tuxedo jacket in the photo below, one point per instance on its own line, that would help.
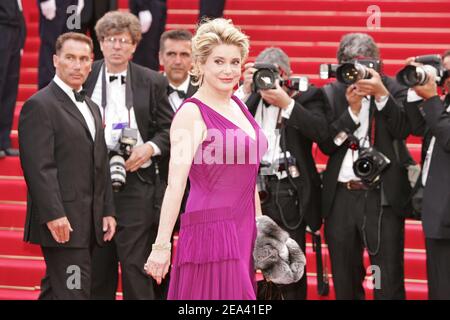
(434, 120)
(67, 173)
(151, 106)
(305, 124)
(390, 124)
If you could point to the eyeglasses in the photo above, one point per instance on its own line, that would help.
(112, 40)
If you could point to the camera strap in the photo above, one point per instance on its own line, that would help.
(281, 125)
(128, 94)
(371, 135)
(371, 127)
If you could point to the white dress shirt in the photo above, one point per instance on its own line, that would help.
(346, 173)
(174, 99)
(116, 111)
(82, 106)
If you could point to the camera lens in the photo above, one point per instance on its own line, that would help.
(349, 73)
(363, 168)
(410, 76)
(118, 172)
(264, 79)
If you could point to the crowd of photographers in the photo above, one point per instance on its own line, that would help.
(371, 183)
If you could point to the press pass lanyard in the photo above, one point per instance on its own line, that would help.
(128, 95)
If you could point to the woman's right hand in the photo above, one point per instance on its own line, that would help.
(158, 264)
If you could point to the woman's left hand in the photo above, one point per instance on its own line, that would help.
(158, 264)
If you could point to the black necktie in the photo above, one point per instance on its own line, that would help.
(80, 96)
(180, 93)
(112, 78)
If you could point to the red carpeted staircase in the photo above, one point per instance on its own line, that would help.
(309, 32)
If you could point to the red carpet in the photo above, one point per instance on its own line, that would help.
(309, 32)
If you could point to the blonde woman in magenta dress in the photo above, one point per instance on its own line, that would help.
(217, 144)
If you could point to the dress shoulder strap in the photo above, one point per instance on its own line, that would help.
(203, 110)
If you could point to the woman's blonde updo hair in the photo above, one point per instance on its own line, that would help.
(210, 34)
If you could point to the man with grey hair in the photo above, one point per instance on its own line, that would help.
(290, 120)
(133, 99)
(355, 45)
(359, 214)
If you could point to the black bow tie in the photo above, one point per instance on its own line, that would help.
(122, 78)
(80, 96)
(180, 93)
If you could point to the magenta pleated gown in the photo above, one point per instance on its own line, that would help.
(213, 260)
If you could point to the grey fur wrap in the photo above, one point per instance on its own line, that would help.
(277, 255)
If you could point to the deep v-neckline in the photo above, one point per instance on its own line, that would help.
(234, 124)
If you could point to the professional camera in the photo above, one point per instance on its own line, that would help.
(267, 74)
(411, 76)
(122, 152)
(291, 163)
(369, 165)
(351, 72)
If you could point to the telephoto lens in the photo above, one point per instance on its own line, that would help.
(431, 64)
(265, 76)
(350, 73)
(411, 76)
(118, 172)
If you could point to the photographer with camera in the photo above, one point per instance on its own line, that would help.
(365, 185)
(418, 70)
(429, 117)
(136, 116)
(288, 182)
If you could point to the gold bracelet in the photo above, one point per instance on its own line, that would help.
(162, 246)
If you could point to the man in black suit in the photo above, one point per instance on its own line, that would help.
(91, 12)
(52, 23)
(129, 96)
(361, 215)
(175, 56)
(290, 124)
(152, 16)
(430, 118)
(65, 163)
(12, 29)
